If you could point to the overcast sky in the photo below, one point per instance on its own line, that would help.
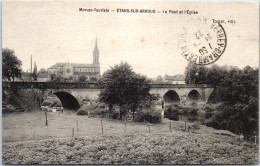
(57, 32)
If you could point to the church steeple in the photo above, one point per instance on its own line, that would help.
(96, 54)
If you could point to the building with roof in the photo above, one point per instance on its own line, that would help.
(176, 79)
(42, 77)
(76, 70)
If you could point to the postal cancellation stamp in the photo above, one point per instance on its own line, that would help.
(202, 41)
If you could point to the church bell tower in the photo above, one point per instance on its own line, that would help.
(96, 54)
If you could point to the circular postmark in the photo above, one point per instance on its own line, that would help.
(202, 41)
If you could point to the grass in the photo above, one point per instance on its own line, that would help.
(54, 145)
(140, 148)
(31, 125)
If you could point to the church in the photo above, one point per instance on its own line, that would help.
(75, 70)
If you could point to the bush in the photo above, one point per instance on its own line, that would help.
(172, 113)
(195, 127)
(209, 108)
(213, 124)
(114, 113)
(94, 109)
(99, 109)
(52, 101)
(192, 118)
(46, 103)
(83, 110)
(193, 111)
(189, 110)
(238, 118)
(208, 115)
(20, 100)
(151, 115)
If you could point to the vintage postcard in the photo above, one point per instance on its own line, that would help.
(137, 82)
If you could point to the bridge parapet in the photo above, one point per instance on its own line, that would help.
(181, 86)
(50, 85)
(67, 85)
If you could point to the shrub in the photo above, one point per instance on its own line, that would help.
(195, 127)
(194, 103)
(114, 113)
(46, 103)
(189, 110)
(193, 111)
(22, 99)
(151, 115)
(83, 110)
(54, 104)
(94, 109)
(52, 101)
(213, 124)
(208, 108)
(172, 113)
(208, 115)
(192, 118)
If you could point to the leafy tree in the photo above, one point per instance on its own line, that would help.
(34, 76)
(11, 65)
(53, 77)
(93, 79)
(124, 87)
(239, 85)
(215, 75)
(159, 79)
(69, 79)
(238, 91)
(195, 74)
(82, 78)
(42, 70)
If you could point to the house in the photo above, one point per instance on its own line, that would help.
(42, 77)
(176, 79)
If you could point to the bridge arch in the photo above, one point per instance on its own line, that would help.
(68, 100)
(194, 95)
(171, 97)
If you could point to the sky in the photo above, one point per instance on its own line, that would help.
(56, 31)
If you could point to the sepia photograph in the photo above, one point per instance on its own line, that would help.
(130, 83)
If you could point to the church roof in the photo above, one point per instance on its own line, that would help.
(73, 64)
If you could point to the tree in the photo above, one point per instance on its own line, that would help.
(159, 79)
(69, 79)
(215, 75)
(53, 77)
(82, 78)
(195, 74)
(124, 87)
(42, 70)
(93, 79)
(11, 65)
(238, 92)
(34, 75)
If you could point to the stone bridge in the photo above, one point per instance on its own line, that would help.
(72, 95)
